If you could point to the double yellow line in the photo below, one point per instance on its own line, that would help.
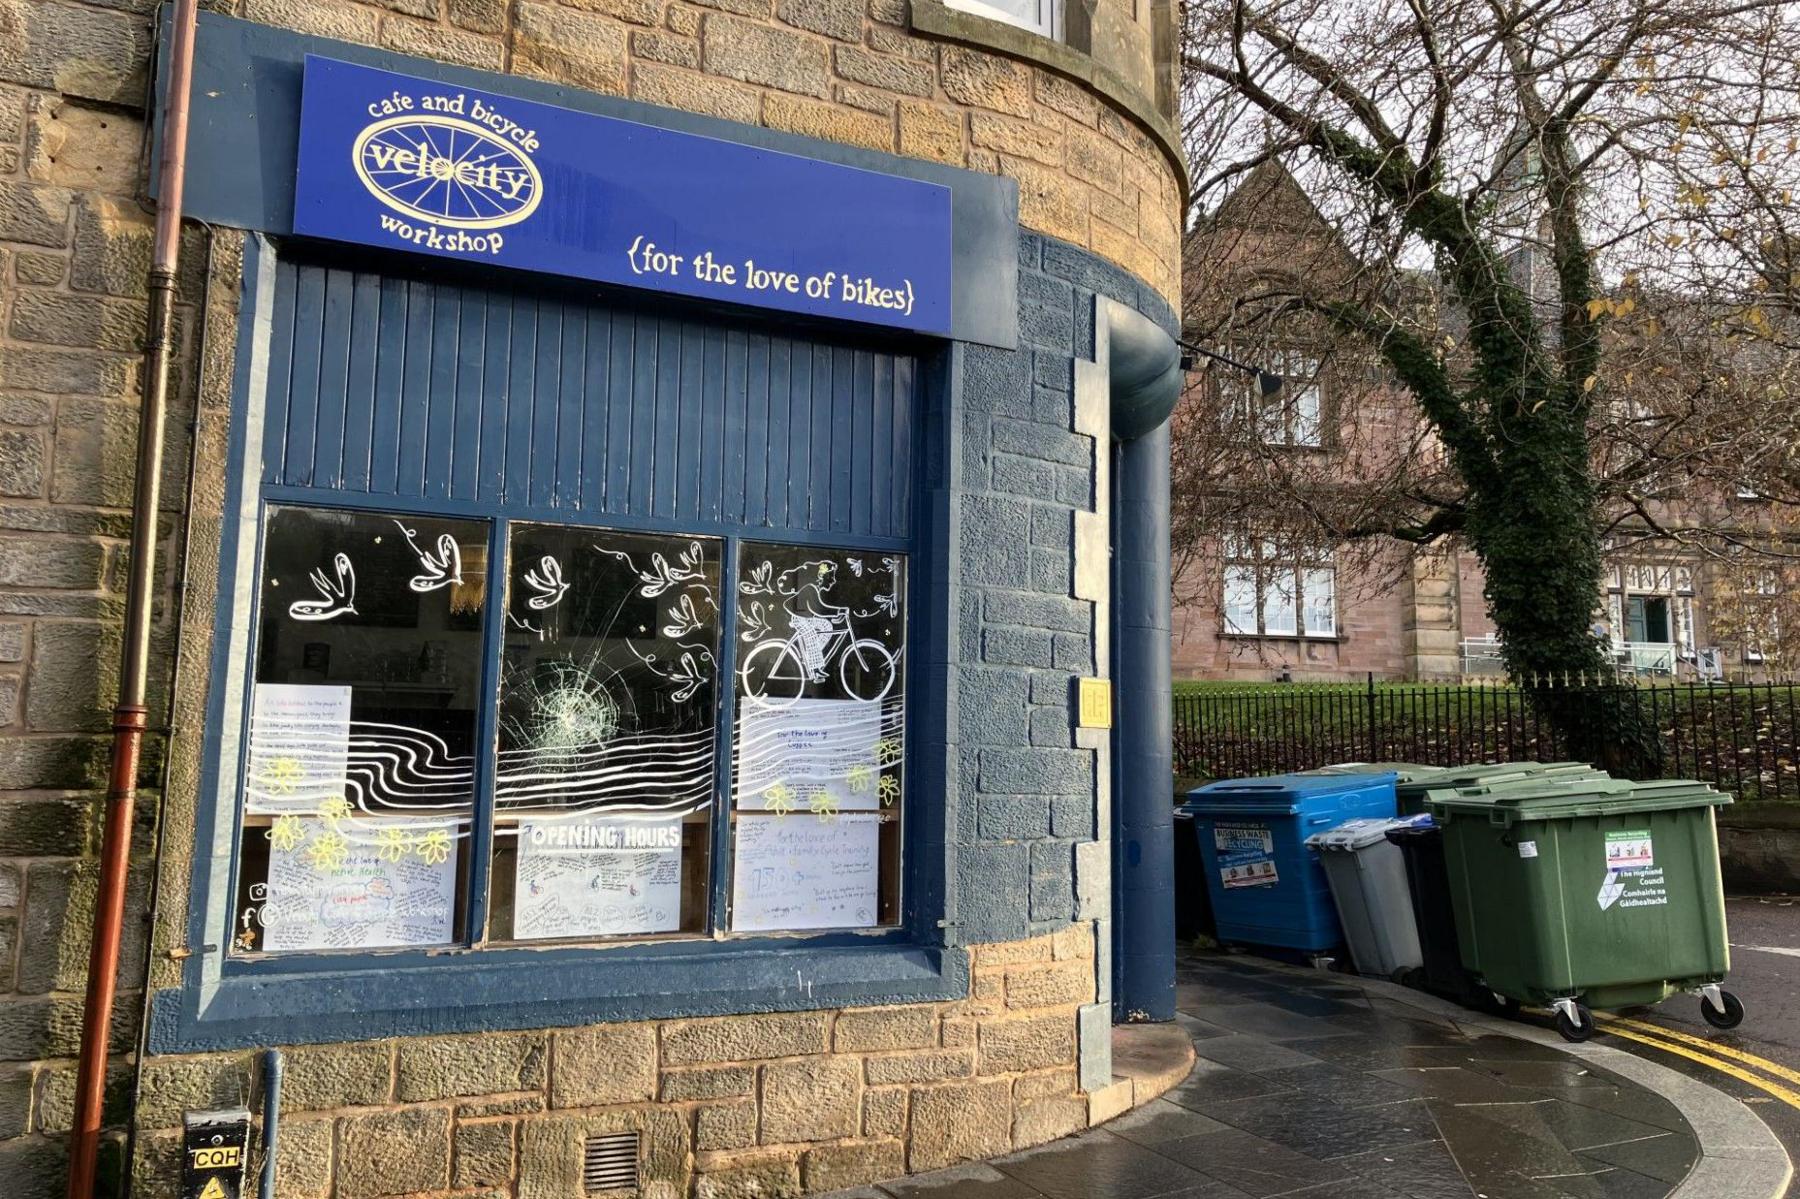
(1726, 1059)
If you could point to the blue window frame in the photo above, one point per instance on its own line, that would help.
(406, 400)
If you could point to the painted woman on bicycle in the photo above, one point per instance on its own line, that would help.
(813, 617)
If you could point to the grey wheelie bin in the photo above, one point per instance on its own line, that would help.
(1367, 876)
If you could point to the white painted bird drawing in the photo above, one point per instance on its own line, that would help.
(336, 596)
(437, 568)
(547, 581)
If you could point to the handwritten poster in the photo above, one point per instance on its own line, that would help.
(808, 755)
(329, 891)
(299, 745)
(795, 872)
(597, 877)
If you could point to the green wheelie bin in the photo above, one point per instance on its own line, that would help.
(1577, 894)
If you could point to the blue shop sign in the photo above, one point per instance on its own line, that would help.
(405, 163)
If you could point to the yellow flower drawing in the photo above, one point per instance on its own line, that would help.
(888, 789)
(282, 775)
(887, 752)
(861, 777)
(287, 832)
(434, 846)
(393, 844)
(328, 852)
(335, 809)
(779, 798)
(820, 803)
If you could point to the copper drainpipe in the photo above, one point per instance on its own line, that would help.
(131, 716)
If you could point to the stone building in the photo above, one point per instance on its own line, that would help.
(1258, 598)
(638, 503)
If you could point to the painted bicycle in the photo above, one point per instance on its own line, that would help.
(778, 672)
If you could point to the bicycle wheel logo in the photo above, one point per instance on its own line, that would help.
(446, 171)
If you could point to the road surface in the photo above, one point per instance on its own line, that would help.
(1758, 1062)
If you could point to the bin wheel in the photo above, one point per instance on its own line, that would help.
(1731, 1017)
(1576, 1030)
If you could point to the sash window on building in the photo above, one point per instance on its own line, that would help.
(1275, 593)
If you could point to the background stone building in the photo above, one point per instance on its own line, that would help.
(1264, 592)
(978, 1022)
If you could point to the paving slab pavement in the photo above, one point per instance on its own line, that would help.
(1322, 1086)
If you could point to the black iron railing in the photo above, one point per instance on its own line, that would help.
(1743, 738)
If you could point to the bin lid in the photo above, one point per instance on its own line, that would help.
(1276, 793)
(1362, 832)
(1423, 825)
(1403, 772)
(1550, 799)
(1488, 773)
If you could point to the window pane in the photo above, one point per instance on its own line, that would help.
(1240, 599)
(1321, 606)
(1306, 413)
(604, 788)
(821, 723)
(360, 774)
(1278, 603)
(1031, 14)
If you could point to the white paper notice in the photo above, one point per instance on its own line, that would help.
(795, 872)
(299, 746)
(812, 752)
(357, 895)
(597, 877)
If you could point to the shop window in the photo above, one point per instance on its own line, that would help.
(604, 777)
(381, 720)
(817, 780)
(359, 780)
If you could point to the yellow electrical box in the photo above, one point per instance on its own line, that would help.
(1095, 704)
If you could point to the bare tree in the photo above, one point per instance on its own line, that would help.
(1563, 230)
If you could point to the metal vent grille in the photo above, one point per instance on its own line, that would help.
(610, 1162)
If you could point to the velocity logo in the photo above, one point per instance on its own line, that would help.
(446, 171)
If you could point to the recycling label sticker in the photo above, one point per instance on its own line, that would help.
(1246, 855)
(1630, 850)
(1633, 879)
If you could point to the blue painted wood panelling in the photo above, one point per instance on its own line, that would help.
(423, 390)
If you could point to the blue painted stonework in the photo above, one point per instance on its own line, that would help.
(1023, 795)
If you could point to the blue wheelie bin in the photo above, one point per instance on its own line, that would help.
(1267, 887)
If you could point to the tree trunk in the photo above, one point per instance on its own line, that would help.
(1535, 533)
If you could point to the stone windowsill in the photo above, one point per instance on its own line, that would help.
(1310, 639)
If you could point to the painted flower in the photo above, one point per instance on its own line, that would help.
(434, 846)
(393, 844)
(329, 852)
(779, 798)
(335, 809)
(861, 777)
(282, 775)
(887, 752)
(889, 790)
(820, 803)
(287, 832)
